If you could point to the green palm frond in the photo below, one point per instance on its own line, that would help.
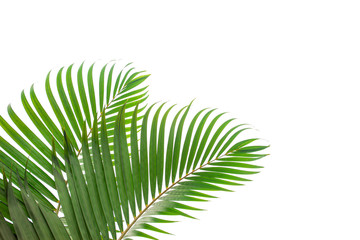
(74, 96)
(156, 174)
(184, 165)
(96, 165)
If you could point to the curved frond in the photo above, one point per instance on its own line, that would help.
(208, 156)
(74, 95)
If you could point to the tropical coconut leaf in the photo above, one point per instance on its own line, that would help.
(73, 95)
(156, 174)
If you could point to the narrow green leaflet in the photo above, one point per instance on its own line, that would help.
(153, 148)
(73, 98)
(135, 159)
(144, 165)
(161, 151)
(122, 160)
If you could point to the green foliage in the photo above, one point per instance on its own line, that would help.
(117, 174)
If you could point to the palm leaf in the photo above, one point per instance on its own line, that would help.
(94, 219)
(207, 159)
(112, 180)
(76, 95)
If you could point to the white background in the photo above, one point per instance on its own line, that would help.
(290, 68)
